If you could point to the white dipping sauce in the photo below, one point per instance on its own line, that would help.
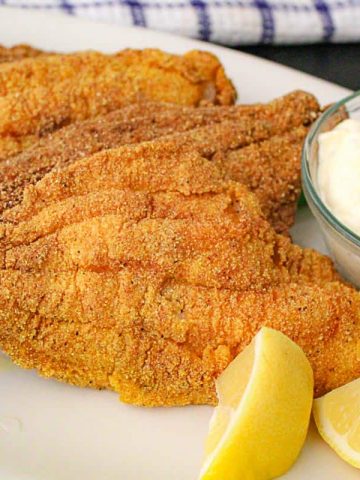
(338, 172)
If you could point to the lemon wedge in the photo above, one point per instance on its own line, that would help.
(337, 416)
(265, 397)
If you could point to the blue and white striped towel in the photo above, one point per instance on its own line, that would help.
(229, 22)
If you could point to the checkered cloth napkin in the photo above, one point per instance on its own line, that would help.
(229, 22)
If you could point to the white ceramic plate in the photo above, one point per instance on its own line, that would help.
(52, 431)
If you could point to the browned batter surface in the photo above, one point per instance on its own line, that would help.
(18, 52)
(42, 94)
(270, 168)
(143, 270)
(135, 256)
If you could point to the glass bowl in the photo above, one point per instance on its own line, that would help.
(343, 244)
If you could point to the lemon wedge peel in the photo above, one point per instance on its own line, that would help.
(266, 431)
(221, 444)
(336, 440)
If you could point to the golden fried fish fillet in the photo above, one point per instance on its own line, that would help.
(270, 168)
(148, 120)
(143, 270)
(18, 52)
(39, 95)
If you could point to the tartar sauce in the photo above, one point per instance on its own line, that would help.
(338, 174)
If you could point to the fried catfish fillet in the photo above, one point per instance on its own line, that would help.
(145, 271)
(39, 95)
(269, 168)
(18, 52)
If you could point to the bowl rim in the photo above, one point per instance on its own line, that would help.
(308, 184)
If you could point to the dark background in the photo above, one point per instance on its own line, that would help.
(336, 63)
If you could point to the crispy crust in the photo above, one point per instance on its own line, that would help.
(40, 95)
(18, 52)
(145, 271)
(271, 169)
(146, 268)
